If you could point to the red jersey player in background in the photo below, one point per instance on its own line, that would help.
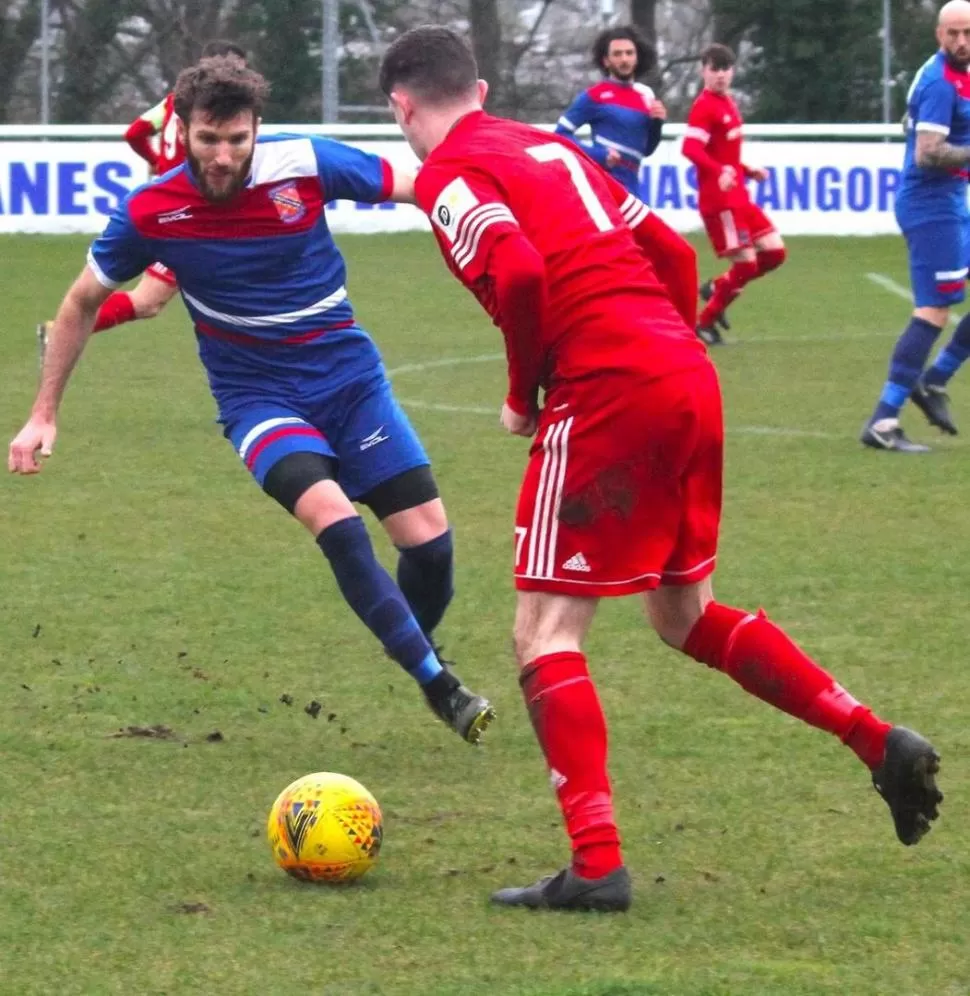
(595, 298)
(738, 229)
(157, 286)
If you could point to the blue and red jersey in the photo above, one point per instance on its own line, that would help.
(619, 117)
(262, 279)
(938, 101)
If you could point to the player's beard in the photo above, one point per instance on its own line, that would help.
(625, 77)
(234, 177)
(959, 61)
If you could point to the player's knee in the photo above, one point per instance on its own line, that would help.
(147, 308)
(521, 642)
(289, 479)
(673, 611)
(745, 270)
(934, 315)
(150, 297)
(770, 259)
(405, 491)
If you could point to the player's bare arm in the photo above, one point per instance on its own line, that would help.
(933, 151)
(402, 190)
(74, 323)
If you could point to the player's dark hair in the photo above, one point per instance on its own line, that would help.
(219, 47)
(646, 56)
(434, 62)
(220, 88)
(718, 57)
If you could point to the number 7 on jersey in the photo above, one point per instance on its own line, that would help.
(553, 152)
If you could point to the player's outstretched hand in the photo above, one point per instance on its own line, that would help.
(36, 436)
(518, 425)
(758, 173)
(612, 158)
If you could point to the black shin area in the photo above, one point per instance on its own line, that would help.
(290, 478)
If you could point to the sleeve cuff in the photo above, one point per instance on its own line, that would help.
(519, 406)
(387, 181)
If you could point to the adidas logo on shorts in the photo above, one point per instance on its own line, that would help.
(577, 563)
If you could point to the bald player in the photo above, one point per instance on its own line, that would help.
(931, 210)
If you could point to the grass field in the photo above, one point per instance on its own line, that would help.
(146, 580)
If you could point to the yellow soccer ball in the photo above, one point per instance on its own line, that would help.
(325, 827)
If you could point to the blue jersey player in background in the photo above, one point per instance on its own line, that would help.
(300, 387)
(931, 209)
(625, 117)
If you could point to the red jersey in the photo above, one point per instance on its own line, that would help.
(712, 141)
(493, 180)
(159, 120)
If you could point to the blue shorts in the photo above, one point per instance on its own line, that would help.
(361, 426)
(938, 256)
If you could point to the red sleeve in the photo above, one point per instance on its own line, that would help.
(138, 136)
(387, 180)
(519, 274)
(671, 255)
(468, 212)
(696, 137)
(478, 233)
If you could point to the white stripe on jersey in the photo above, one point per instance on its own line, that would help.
(637, 216)
(625, 149)
(472, 227)
(264, 427)
(952, 274)
(103, 277)
(698, 133)
(936, 128)
(266, 321)
(634, 211)
(283, 160)
(564, 122)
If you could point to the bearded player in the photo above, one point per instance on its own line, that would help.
(158, 285)
(625, 117)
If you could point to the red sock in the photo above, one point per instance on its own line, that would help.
(726, 288)
(571, 729)
(770, 259)
(117, 310)
(765, 662)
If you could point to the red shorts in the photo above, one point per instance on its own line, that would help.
(163, 273)
(623, 488)
(736, 228)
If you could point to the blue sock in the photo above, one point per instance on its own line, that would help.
(951, 358)
(426, 577)
(908, 359)
(373, 595)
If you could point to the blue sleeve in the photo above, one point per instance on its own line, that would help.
(351, 175)
(653, 136)
(581, 111)
(934, 105)
(120, 253)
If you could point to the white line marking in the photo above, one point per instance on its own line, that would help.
(448, 361)
(888, 284)
(455, 361)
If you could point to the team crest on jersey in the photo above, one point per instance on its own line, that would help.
(289, 205)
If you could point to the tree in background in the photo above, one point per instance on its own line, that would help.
(821, 60)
